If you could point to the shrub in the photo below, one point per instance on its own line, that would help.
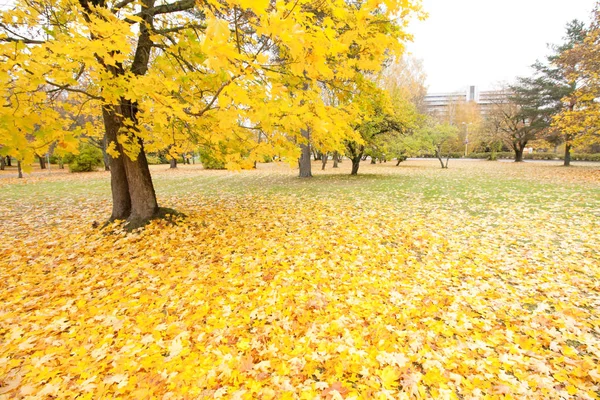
(87, 160)
(538, 156)
(154, 159)
(210, 161)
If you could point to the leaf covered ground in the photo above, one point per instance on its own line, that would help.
(406, 282)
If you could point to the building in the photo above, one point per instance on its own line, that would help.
(442, 104)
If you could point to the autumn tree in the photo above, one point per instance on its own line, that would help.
(553, 85)
(379, 115)
(434, 137)
(225, 67)
(579, 117)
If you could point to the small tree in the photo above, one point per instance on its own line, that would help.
(435, 138)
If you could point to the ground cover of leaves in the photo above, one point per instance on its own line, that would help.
(482, 281)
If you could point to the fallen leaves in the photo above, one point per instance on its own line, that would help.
(297, 295)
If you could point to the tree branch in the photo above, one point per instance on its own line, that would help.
(121, 4)
(181, 5)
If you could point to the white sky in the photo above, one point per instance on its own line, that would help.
(486, 42)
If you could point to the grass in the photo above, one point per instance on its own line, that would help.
(468, 184)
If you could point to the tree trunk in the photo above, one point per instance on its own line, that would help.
(8, 161)
(304, 162)
(2, 163)
(19, 170)
(173, 163)
(399, 161)
(133, 194)
(373, 160)
(141, 190)
(335, 159)
(355, 164)
(518, 154)
(118, 177)
(105, 157)
(567, 154)
(42, 162)
(438, 154)
(324, 159)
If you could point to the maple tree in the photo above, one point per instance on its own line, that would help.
(223, 68)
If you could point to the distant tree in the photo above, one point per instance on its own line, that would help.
(519, 117)
(550, 90)
(579, 117)
(434, 137)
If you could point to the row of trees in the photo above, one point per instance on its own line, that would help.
(248, 80)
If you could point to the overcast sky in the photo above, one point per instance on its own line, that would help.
(485, 42)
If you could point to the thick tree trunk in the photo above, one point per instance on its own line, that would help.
(2, 163)
(399, 161)
(8, 161)
(42, 162)
(118, 177)
(324, 159)
(304, 162)
(567, 155)
(518, 154)
(355, 165)
(141, 190)
(336, 157)
(19, 169)
(173, 163)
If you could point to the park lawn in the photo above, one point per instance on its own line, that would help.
(410, 281)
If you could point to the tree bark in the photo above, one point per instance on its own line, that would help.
(19, 170)
(438, 154)
(518, 154)
(355, 164)
(567, 154)
(336, 156)
(304, 162)
(118, 176)
(324, 158)
(373, 160)
(8, 161)
(2, 163)
(141, 190)
(173, 163)
(399, 161)
(42, 162)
